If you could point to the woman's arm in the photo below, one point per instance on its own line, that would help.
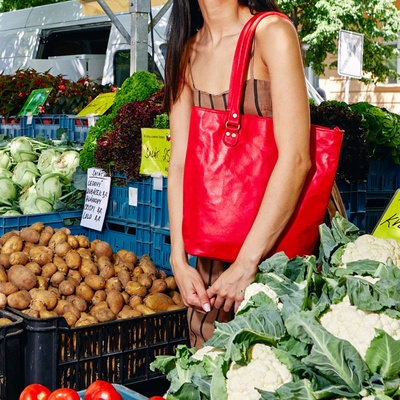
(190, 284)
(277, 55)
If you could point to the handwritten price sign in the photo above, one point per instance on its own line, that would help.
(388, 226)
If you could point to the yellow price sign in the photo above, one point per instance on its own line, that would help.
(99, 105)
(156, 148)
(388, 226)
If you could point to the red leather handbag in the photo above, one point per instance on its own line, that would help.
(229, 160)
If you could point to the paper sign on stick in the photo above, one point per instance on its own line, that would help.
(156, 149)
(36, 99)
(96, 200)
(388, 226)
(99, 105)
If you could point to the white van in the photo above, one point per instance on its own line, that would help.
(62, 39)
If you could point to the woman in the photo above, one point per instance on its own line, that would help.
(202, 40)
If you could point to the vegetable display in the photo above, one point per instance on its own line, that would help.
(46, 272)
(308, 328)
(39, 177)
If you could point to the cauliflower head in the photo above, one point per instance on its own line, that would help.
(349, 323)
(264, 371)
(211, 351)
(372, 248)
(255, 288)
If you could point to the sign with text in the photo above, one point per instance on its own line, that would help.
(99, 105)
(96, 200)
(36, 99)
(388, 226)
(350, 54)
(156, 148)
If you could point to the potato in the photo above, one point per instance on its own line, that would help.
(19, 300)
(88, 267)
(171, 283)
(3, 300)
(73, 242)
(29, 235)
(41, 254)
(137, 271)
(144, 310)
(124, 276)
(19, 257)
(135, 289)
(73, 259)
(13, 244)
(28, 246)
(175, 296)
(59, 308)
(96, 282)
(103, 248)
(66, 287)
(158, 301)
(71, 318)
(135, 300)
(62, 249)
(5, 260)
(160, 274)
(85, 320)
(57, 278)
(99, 296)
(48, 270)
(145, 280)
(115, 301)
(3, 274)
(60, 264)
(125, 296)
(45, 236)
(69, 307)
(75, 274)
(147, 265)
(113, 284)
(42, 283)
(83, 241)
(8, 287)
(158, 286)
(47, 314)
(84, 291)
(59, 236)
(128, 313)
(79, 303)
(106, 267)
(34, 267)
(103, 314)
(37, 226)
(49, 299)
(8, 235)
(37, 305)
(127, 256)
(175, 307)
(21, 276)
(84, 252)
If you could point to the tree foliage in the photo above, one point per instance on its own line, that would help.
(10, 5)
(319, 21)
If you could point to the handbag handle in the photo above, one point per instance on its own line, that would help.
(239, 69)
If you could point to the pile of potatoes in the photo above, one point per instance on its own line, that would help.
(47, 272)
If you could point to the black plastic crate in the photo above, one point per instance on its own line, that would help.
(11, 362)
(120, 351)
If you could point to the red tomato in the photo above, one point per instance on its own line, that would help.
(35, 391)
(102, 390)
(64, 394)
(156, 398)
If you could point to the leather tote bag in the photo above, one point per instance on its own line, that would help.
(229, 160)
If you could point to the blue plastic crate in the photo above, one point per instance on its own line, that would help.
(56, 219)
(127, 394)
(354, 197)
(161, 249)
(11, 129)
(52, 126)
(81, 128)
(159, 205)
(120, 192)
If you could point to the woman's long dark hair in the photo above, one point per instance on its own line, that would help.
(185, 20)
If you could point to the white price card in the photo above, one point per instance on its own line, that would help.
(96, 200)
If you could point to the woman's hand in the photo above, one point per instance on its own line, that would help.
(227, 291)
(192, 289)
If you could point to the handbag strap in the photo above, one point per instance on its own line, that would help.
(239, 69)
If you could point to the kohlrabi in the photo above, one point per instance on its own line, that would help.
(51, 186)
(21, 149)
(8, 190)
(5, 160)
(46, 160)
(66, 164)
(25, 173)
(31, 203)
